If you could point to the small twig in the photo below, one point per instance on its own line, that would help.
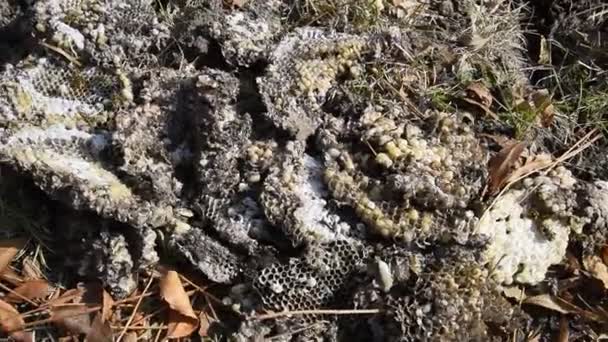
(315, 312)
(124, 331)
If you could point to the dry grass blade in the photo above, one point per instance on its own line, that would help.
(501, 164)
(8, 250)
(31, 290)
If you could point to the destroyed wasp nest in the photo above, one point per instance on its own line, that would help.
(220, 135)
(430, 170)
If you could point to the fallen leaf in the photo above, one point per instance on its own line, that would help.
(500, 165)
(533, 164)
(172, 291)
(604, 254)
(596, 266)
(30, 289)
(106, 306)
(544, 106)
(100, 331)
(552, 303)
(8, 250)
(130, 337)
(182, 319)
(180, 326)
(72, 317)
(544, 57)
(564, 330)
(477, 91)
(205, 324)
(11, 321)
(11, 277)
(70, 295)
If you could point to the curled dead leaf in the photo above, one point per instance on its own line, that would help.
(30, 289)
(172, 291)
(182, 319)
(477, 91)
(501, 165)
(8, 250)
(596, 266)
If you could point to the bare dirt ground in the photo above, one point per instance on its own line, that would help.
(308, 170)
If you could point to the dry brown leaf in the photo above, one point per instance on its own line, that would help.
(130, 337)
(500, 165)
(172, 291)
(596, 266)
(205, 323)
(100, 331)
(31, 289)
(11, 277)
(72, 317)
(552, 303)
(182, 319)
(604, 254)
(106, 306)
(564, 330)
(477, 91)
(533, 164)
(10, 319)
(71, 295)
(544, 106)
(180, 326)
(8, 250)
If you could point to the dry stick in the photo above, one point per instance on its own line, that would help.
(122, 333)
(315, 312)
(5, 288)
(158, 335)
